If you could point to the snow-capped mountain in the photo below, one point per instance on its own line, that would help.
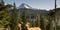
(24, 5)
(30, 10)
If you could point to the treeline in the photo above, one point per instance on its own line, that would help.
(10, 21)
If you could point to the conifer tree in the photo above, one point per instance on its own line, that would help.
(43, 22)
(14, 19)
(4, 14)
(19, 17)
(24, 19)
(51, 18)
(37, 20)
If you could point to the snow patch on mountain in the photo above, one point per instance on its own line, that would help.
(24, 5)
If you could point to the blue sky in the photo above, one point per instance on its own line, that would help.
(42, 4)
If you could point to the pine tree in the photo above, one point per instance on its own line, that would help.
(14, 19)
(24, 19)
(4, 14)
(24, 16)
(37, 20)
(43, 22)
(19, 17)
(51, 18)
